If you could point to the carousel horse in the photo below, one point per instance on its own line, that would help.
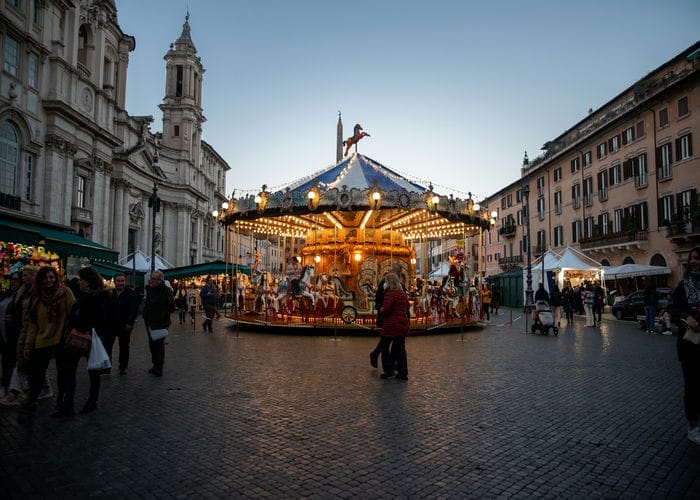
(282, 291)
(450, 294)
(351, 141)
(302, 286)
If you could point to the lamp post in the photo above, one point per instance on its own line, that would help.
(154, 203)
(528, 289)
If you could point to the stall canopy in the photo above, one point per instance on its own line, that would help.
(109, 270)
(634, 271)
(55, 240)
(215, 267)
(143, 263)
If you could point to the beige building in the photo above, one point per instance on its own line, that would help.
(72, 157)
(621, 185)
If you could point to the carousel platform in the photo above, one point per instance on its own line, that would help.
(335, 326)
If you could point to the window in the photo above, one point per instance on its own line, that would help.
(614, 143)
(663, 117)
(615, 175)
(588, 224)
(684, 147)
(666, 209)
(540, 208)
(540, 186)
(36, 12)
(639, 167)
(587, 158)
(604, 223)
(557, 174)
(33, 71)
(176, 130)
(588, 191)
(9, 158)
(617, 220)
(503, 202)
(575, 165)
(541, 241)
(602, 150)
(603, 185)
(81, 185)
(178, 80)
(28, 171)
(557, 202)
(558, 236)
(11, 59)
(509, 200)
(640, 129)
(576, 231)
(519, 196)
(14, 3)
(576, 195)
(628, 136)
(663, 161)
(682, 106)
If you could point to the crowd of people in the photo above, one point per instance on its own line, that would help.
(41, 312)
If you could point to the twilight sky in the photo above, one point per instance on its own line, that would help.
(451, 91)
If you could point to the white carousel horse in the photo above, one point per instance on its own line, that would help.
(282, 291)
(303, 286)
(450, 294)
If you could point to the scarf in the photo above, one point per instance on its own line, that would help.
(51, 298)
(692, 288)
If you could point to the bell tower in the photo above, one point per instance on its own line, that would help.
(182, 104)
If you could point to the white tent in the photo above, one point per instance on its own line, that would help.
(442, 270)
(143, 263)
(570, 264)
(634, 271)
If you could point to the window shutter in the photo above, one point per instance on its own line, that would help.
(690, 144)
(678, 150)
(635, 166)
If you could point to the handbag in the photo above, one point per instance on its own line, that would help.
(79, 342)
(158, 333)
(98, 359)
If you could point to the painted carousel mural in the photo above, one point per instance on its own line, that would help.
(351, 222)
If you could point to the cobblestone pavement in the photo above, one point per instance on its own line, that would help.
(496, 413)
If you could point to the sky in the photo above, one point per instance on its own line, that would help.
(452, 92)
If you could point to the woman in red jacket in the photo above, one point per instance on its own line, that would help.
(395, 328)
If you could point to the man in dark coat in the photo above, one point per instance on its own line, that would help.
(123, 310)
(159, 305)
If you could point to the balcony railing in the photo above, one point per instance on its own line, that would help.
(10, 201)
(507, 231)
(618, 238)
(511, 262)
(538, 250)
(79, 214)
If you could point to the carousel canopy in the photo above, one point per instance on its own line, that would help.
(357, 192)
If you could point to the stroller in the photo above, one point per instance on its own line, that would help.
(544, 319)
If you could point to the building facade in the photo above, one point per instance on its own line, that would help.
(72, 156)
(621, 185)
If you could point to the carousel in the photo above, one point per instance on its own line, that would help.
(351, 222)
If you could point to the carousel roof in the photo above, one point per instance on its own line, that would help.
(357, 192)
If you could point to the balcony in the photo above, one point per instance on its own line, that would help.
(507, 231)
(511, 262)
(79, 214)
(680, 232)
(10, 201)
(538, 250)
(635, 238)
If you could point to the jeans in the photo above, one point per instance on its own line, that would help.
(394, 357)
(650, 313)
(124, 337)
(157, 352)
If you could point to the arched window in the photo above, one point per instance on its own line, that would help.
(9, 158)
(605, 263)
(628, 260)
(658, 260)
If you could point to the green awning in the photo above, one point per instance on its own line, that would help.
(215, 267)
(109, 270)
(55, 240)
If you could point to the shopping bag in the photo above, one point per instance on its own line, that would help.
(19, 381)
(158, 333)
(98, 360)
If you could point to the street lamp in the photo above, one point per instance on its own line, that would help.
(154, 203)
(528, 290)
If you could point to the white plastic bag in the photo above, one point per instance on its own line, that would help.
(158, 333)
(98, 359)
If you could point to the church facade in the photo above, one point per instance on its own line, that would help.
(72, 156)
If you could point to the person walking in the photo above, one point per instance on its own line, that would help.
(192, 301)
(395, 328)
(650, 308)
(90, 310)
(49, 306)
(181, 302)
(10, 335)
(685, 311)
(485, 301)
(210, 297)
(123, 308)
(495, 299)
(568, 303)
(556, 300)
(588, 301)
(378, 302)
(159, 305)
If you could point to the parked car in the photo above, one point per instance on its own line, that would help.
(633, 304)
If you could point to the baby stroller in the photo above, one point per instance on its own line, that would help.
(544, 319)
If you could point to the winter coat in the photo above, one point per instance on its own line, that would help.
(44, 330)
(395, 313)
(158, 307)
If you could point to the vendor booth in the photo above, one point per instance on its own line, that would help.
(571, 268)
